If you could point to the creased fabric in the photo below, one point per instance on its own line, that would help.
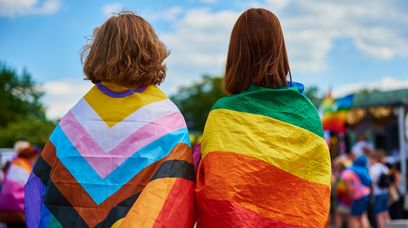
(116, 159)
(264, 162)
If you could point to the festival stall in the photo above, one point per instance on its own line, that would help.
(381, 115)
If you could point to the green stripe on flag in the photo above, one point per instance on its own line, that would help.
(285, 104)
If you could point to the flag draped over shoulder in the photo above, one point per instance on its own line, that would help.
(117, 158)
(264, 163)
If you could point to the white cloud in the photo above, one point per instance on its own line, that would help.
(376, 28)
(12, 8)
(277, 4)
(61, 95)
(111, 9)
(197, 45)
(385, 83)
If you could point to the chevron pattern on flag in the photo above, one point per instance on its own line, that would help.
(115, 150)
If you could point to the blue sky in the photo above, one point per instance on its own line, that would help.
(345, 44)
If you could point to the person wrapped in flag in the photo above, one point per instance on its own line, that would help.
(265, 162)
(122, 155)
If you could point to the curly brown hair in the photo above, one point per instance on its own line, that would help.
(125, 50)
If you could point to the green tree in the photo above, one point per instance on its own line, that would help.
(22, 115)
(19, 96)
(36, 131)
(195, 101)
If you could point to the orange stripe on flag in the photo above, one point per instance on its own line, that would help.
(178, 210)
(149, 204)
(261, 188)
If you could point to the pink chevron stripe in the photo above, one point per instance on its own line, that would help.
(104, 163)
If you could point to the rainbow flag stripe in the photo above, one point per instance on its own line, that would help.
(118, 157)
(264, 163)
(335, 112)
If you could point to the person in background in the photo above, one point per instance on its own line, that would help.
(12, 192)
(362, 147)
(358, 181)
(396, 210)
(343, 199)
(381, 182)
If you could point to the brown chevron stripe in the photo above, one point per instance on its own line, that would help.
(84, 205)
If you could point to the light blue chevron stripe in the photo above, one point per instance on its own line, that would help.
(101, 188)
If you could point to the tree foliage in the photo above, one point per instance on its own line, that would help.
(196, 101)
(22, 115)
(36, 131)
(19, 95)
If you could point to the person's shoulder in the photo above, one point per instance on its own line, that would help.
(384, 168)
(228, 102)
(154, 90)
(347, 174)
(379, 168)
(375, 168)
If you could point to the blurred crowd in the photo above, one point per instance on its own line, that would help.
(365, 188)
(13, 176)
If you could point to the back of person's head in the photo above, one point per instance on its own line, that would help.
(361, 161)
(340, 163)
(125, 50)
(20, 145)
(362, 137)
(257, 53)
(379, 155)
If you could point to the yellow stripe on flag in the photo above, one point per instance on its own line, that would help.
(288, 147)
(127, 105)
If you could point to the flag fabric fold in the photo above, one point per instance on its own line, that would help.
(117, 158)
(264, 162)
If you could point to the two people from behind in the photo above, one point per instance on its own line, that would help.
(122, 156)
(367, 184)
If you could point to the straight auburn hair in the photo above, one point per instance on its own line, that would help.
(257, 53)
(125, 50)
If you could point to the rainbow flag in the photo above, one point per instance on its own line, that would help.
(264, 163)
(335, 113)
(117, 158)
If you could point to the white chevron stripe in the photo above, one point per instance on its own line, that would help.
(108, 138)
